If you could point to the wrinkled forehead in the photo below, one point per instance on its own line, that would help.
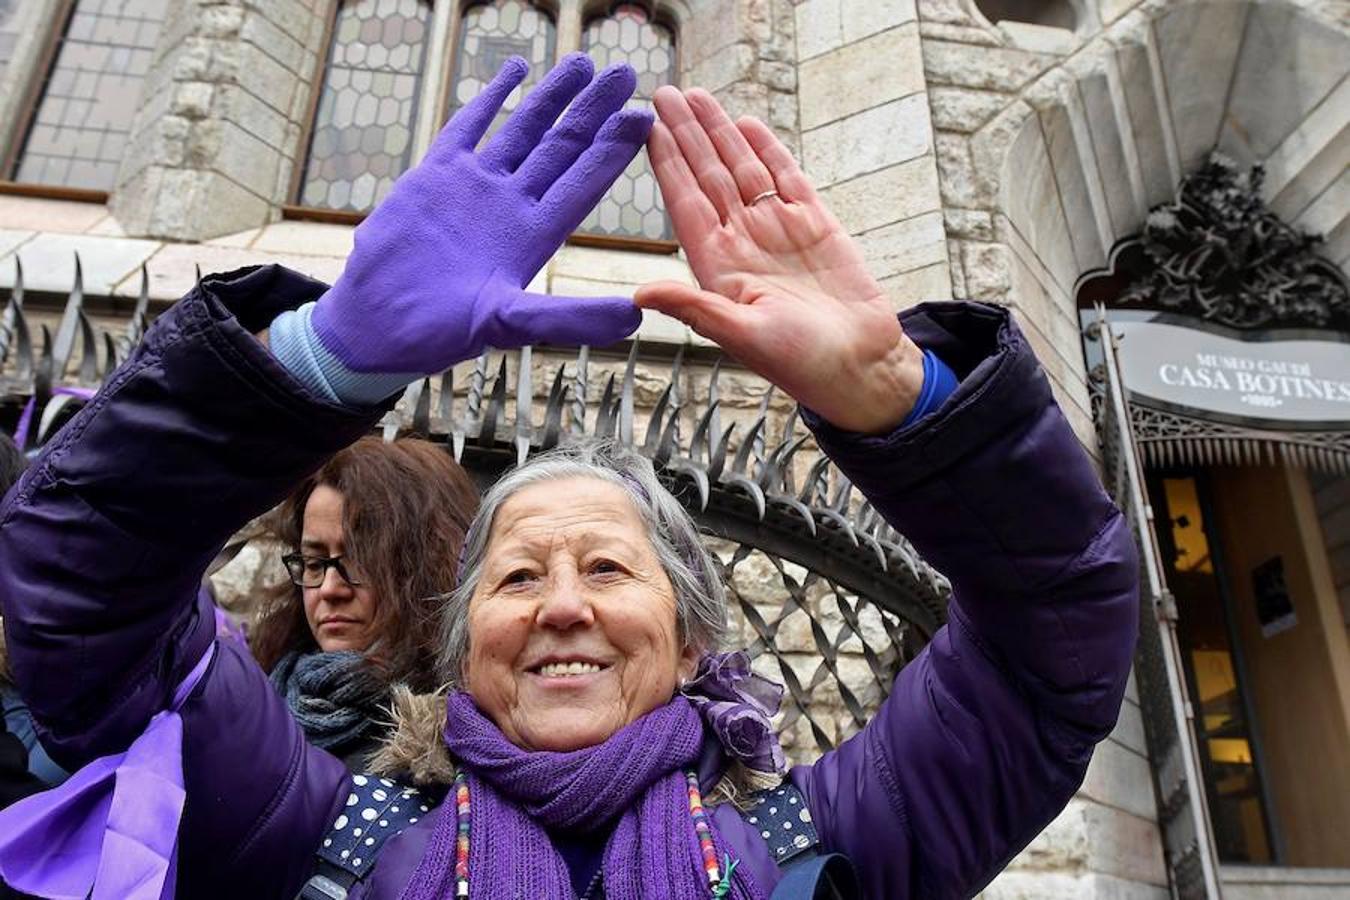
(572, 507)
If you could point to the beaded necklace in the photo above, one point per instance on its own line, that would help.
(719, 884)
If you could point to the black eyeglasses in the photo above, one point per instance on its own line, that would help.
(310, 571)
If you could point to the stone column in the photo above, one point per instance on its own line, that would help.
(213, 147)
(867, 138)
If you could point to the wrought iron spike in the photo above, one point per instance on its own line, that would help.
(421, 407)
(604, 420)
(715, 424)
(13, 310)
(111, 356)
(23, 347)
(139, 317)
(718, 459)
(700, 446)
(474, 400)
(524, 431)
(795, 506)
(665, 449)
(698, 475)
(676, 394)
(557, 399)
(842, 492)
(445, 402)
(579, 390)
(743, 454)
(763, 414)
(770, 473)
(654, 424)
(88, 352)
(64, 344)
(496, 406)
(840, 521)
(752, 490)
(50, 413)
(626, 397)
(814, 484)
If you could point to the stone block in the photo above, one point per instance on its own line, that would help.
(912, 288)
(1288, 64)
(733, 64)
(963, 109)
(253, 115)
(1314, 179)
(1018, 885)
(1129, 729)
(304, 238)
(952, 12)
(820, 27)
(1123, 845)
(1079, 183)
(956, 269)
(286, 48)
(1031, 201)
(987, 271)
(42, 214)
(266, 78)
(238, 239)
(984, 68)
(863, 19)
(1331, 207)
(619, 266)
(973, 35)
(960, 184)
(1039, 38)
(1121, 187)
(10, 240)
(1150, 126)
(173, 270)
(861, 75)
(246, 160)
(850, 147)
(49, 262)
(975, 224)
(887, 195)
(192, 99)
(1119, 777)
(904, 246)
(1321, 135)
(1198, 46)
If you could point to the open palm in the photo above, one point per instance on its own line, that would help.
(784, 288)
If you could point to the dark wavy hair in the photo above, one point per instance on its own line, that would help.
(12, 463)
(406, 506)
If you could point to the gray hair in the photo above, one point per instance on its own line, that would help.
(700, 599)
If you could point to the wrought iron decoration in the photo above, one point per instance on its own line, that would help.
(843, 582)
(1218, 253)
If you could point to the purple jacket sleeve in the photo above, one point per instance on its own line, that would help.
(987, 734)
(102, 546)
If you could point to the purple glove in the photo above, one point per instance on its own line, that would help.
(439, 269)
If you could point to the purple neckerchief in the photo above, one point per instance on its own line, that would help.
(111, 831)
(21, 431)
(738, 706)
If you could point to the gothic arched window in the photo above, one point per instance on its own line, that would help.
(79, 130)
(491, 32)
(627, 33)
(362, 136)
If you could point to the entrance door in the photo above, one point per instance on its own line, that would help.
(1215, 671)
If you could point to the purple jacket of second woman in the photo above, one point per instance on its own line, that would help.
(984, 738)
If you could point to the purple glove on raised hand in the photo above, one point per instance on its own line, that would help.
(439, 269)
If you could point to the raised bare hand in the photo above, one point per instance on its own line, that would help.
(784, 288)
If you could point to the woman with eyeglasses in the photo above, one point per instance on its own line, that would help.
(374, 537)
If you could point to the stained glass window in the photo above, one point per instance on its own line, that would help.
(633, 206)
(489, 33)
(79, 132)
(363, 129)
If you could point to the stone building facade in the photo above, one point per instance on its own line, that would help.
(977, 149)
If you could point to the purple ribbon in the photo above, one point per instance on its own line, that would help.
(738, 706)
(29, 408)
(110, 832)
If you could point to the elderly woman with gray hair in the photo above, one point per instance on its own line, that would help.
(596, 743)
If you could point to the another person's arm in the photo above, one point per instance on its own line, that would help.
(104, 541)
(986, 735)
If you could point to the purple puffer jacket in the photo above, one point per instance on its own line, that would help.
(983, 740)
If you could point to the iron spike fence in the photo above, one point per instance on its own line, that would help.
(828, 597)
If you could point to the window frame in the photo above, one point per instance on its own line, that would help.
(438, 96)
(38, 77)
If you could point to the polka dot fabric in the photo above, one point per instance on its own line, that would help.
(783, 821)
(376, 810)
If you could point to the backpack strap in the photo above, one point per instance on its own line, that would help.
(809, 873)
(376, 810)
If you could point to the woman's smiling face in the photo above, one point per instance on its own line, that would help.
(572, 626)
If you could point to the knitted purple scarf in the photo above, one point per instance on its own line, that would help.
(635, 777)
